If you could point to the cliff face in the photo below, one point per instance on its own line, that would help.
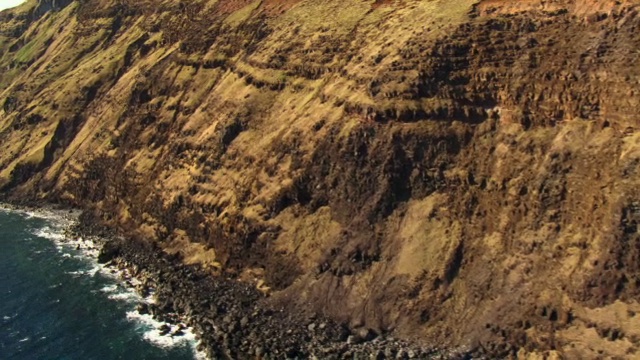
(459, 172)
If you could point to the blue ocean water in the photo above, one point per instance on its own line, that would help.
(56, 302)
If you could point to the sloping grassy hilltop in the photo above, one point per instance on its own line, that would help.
(460, 172)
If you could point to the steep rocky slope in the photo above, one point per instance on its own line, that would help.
(460, 172)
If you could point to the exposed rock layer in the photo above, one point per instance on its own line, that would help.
(463, 172)
(234, 321)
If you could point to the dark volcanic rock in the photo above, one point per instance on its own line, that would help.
(164, 329)
(463, 172)
(234, 320)
(109, 251)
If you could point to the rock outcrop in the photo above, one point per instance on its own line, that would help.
(457, 172)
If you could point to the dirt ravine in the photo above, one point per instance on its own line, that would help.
(459, 171)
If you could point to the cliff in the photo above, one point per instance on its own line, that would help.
(460, 172)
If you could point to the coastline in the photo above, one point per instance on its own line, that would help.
(122, 286)
(234, 320)
(228, 319)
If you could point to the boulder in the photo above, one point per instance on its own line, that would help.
(109, 251)
(164, 329)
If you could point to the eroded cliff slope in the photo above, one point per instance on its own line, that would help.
(461, 172)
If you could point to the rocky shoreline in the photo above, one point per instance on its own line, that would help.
(231, 319)
(234, 320)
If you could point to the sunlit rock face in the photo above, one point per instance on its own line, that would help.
(462, 172)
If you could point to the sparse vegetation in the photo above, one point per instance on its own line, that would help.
(419, 160)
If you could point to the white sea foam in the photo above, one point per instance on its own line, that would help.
(87, 251)
(129, 296)
(109, 288)
(60, 217)
(89, 272)
(153, 335)
(94, 270)
(57, 235)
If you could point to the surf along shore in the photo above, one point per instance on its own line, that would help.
(230, 319)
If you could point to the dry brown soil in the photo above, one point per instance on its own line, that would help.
(458, 172)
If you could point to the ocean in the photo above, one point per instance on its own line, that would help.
(57, 302)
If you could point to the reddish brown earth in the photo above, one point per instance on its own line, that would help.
(277, 7)
(455, 172)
